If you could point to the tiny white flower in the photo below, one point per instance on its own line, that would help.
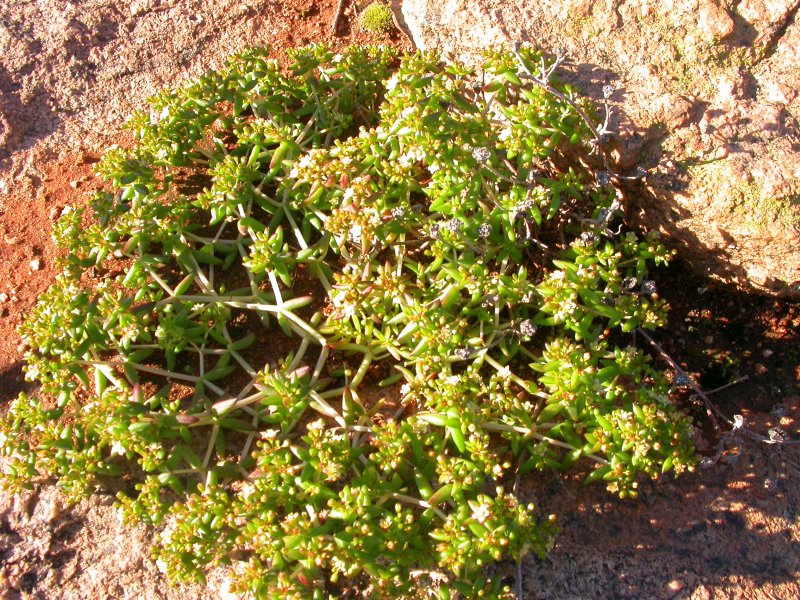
(392, 82)
(162, 566)
(305, 160)
(348, 310)
(482, 155)
(481, 513)
(247, 490)
(117, 449)
(166, 535)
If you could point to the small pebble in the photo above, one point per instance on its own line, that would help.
(675, 586)
(3, 297)
(36, 264)
(760, 369)
(767, 353)
(74, 184)
(53, 512)
(10, 239)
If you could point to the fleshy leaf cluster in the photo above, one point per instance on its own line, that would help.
(325, 316)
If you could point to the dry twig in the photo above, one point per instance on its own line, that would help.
(737, 424)
(599, 133)
(338, 16)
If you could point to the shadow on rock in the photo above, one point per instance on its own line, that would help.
(677, 537)
(12, 382)
(23, 122)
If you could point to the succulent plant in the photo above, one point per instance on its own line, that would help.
(339, 310)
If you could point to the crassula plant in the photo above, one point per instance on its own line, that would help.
(325, 316)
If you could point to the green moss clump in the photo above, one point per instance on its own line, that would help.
(377, 18)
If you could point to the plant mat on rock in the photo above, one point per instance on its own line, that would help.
(373, 181)
(656, 586)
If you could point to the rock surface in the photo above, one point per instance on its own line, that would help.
(706, 101)
(83, 551)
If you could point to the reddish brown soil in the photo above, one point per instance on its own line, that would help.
(25, 229)
(730, 531)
